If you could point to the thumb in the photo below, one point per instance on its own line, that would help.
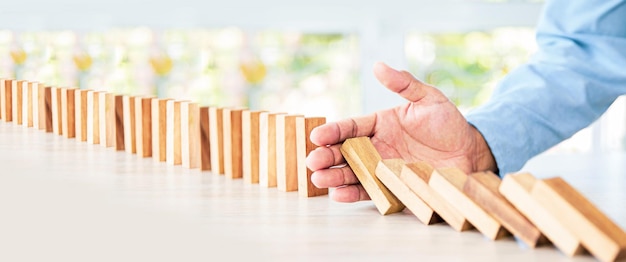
(402, 82)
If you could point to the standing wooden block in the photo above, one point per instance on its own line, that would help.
(68, 112)
(449, 182)
(304, 146)
(482, 188)
(602, 237)
(119, 123)
(416, 176)
(42, 100)
(363, 158)
(216, 140)
(205, 144)
(57, 123)
(286, 153)
(6, 96)
(17, 101)
(81, 114)
(34, 96)
(114, 121)
(106, 103)
(2, 94)
(173, 133)
(130, 143)
(516, 188)
(267, 149)
(190, 135)
(143, 126)
(250, 146)
(27, 104)
(388, 172)
(47, 109)
(93, 117)
(159, 129)
(232, 143)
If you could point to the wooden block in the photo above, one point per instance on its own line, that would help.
(190, 135)
(2, 94)
(416, 177)
(43, 96)
(449, 182)
(143, 126)
(173, 149)
(286, 153)
(17, 101)
(250, 146)
(6, 93)
(388, 172)
(113, 121)
(27, 104)
(68, 112)
(47, 109)
(93, 117)
(81, 114)
(130, 143)
(34, 96)
(602, 237)
(159, 129)
(205, 144)
(57, 123)
(516, 188)
(232, 143)
(363, 158)
(304, 146)
(216, 140)
(482, 188)
(119, 123)
(106, 103)
(267, 149)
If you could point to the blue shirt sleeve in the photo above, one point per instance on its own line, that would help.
(577, 73)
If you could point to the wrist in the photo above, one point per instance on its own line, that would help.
(482, 158)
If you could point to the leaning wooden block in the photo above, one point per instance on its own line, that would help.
(232, 143)
(363, 158)
(304, 146)
(205, 143)
(449, 182)
(267, 149)
(93, 117)
(250, 146)
(286, 153)
(172, 138)
(143, 126)
(68, 112)
(516, 188)
(416, 176)
(216, 139)
(6, 95)
(81, 114)
(482, 188)
(388, 172)
(17, 101)
(190, 135)
(57, 124)
(598, 234)
(159, 129)
(130, 142)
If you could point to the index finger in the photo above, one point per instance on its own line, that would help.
(336, 132)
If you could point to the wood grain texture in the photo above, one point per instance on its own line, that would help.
(216, 140)
(27, 104)
(267, 149)
(57, 123)
(482, 188)
(250, 146)
(6, 95)
(190, 135)
(159, 129)
(233, 165)
(119, 123)
(2, 94)
(110, 121)
(416, 176)
(68, 112)
(304, 146)
(130, 139)
(47, 109)
(81, 115)
(205, 140)
(42, 106)
(598, 234)
(363, 158)
(35, 87)
(143, 126)
(286, 153)
(388, 172)
(93, 117)
(449, 182)
(172, 136)
(17, 87)
(105, 112)
(516, 189)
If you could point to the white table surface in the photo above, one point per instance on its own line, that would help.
(63, 200)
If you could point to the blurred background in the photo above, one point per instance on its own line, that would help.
(311, 58)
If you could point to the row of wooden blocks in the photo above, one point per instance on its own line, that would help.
(531, 209)
(261, 147)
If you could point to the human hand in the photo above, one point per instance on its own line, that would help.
(428, 128)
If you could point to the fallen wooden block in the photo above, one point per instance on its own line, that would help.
(190, 135)
(172, 137)
(6, 96)
(68, 112)
(416, 176)
(216, 140)
(143, 126)
(304, 146)
(159, 129)
(232, 143)
(267, 149)
(81, 114)
(250, 146)
(449, 182)
(47, 110)
(286, 153)
(599, 235)
(482, 188)
(128, 110)
(205, 141)
(516, 188)
(93, 117)
(388, 172)
(57, 122)
(17, 101)
(363, 158)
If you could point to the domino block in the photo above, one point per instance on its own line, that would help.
(43, 98)
(516, 188)
(482, 188)
(143, 126)
(449, 183)
(81, 114)
(267, 149)
(363, 158)
(113, 121)
(232, 143)
(190, 135)
(216, 140)
(159, 129)
(119, 123)
(2, 90)
(172, 137)
(304, 146)
(17, 101)
(286, 159)
(599, 235)
(6, 95)
(46, 110)
(205, 144)
(416, 176)
(388, 172)
(34, 96)
(104, 110)
(93, 117)
(250, 146)
(128, 108)
(27, 104)
(68, 112)
(57, 123)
